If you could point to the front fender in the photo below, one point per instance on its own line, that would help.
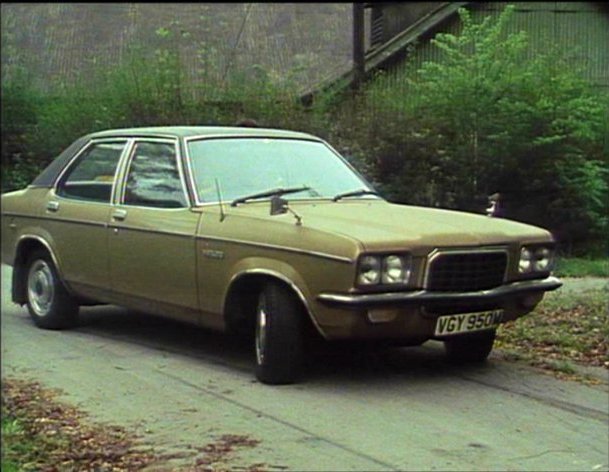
(275, 269)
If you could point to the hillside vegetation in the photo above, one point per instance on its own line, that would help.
(483, 120)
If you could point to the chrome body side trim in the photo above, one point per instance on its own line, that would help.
(424, 296)
(279, 248)
(284, 279)
(122, 227)
(55, 218)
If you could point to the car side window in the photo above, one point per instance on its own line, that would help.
(91, 176)
(153, 179)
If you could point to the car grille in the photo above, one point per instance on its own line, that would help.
(466, 272)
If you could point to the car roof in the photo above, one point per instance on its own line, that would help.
(202, 131)
(48, 176)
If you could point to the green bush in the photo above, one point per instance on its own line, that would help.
(485, 118)
(149, 88)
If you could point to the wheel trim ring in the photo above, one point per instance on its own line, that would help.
(40, 288)
(261, 324)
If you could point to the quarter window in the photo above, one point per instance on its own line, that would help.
(153, 178)
(92, 175)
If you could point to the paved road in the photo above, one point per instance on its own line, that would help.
(403, 409)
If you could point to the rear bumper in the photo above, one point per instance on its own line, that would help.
(422, 297)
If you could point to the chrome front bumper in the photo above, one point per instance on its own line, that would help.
(419, 297)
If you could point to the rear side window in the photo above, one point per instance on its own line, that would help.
(153, 179)
(91, 176)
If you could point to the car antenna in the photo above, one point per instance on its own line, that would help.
(222, 213)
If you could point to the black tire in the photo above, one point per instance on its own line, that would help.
(49, 304)
(279, 338)
(470, 348)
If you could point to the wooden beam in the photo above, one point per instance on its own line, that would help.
(359, 63)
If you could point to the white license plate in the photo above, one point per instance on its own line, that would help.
(467, 322)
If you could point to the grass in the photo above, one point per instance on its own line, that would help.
(582, 267)
(41, 433)
(15, 443)
(567, 329)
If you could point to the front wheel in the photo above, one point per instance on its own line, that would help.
(279, 335)
(49, 304)
(470, 348)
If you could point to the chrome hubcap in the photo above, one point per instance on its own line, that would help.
(40, 289)
(261, 318)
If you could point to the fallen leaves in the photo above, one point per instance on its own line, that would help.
(45, 435)
(564, 330)
(61, 438)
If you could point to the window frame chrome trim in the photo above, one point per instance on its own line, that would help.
(72, 161)
(122, 179)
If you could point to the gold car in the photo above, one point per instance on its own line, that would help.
(194, 223)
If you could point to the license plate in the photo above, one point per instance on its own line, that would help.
(467, 322)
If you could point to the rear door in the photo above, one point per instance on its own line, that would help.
(77, 210)
(152, 233)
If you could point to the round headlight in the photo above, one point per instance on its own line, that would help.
(395, 270)
(543, 259)
(369, 270)
(526, 261)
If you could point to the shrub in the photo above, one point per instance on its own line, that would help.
(484, 118)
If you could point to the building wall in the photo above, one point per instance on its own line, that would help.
(581, 28)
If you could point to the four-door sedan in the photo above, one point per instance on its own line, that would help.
(263, 232)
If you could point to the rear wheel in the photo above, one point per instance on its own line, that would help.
(48, 302)
(470, 348)
(279, 335)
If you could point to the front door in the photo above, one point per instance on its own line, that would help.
(152, 234)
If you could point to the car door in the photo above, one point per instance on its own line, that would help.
(152, 233)
(76, 214)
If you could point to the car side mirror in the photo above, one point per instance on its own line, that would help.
(494, 205)
(279, 206)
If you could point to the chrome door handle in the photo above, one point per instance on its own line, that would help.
(119, 215)
(53, 205)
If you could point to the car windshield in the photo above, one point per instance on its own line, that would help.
(246, 166)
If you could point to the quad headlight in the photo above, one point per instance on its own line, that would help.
(535, 259)
(390, 269)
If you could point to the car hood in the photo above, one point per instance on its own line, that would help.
(377, 224)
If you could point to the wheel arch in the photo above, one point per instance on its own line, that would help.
(242, 294)
(26, 245)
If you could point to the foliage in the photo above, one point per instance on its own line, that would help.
(487, 117)
(566, 328)
(582, 267)
(149, 88)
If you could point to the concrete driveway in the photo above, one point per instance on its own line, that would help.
(400, 409)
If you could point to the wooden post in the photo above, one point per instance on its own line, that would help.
(358, 46)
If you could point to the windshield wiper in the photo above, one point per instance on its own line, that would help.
(269, 193)
(355, 193)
